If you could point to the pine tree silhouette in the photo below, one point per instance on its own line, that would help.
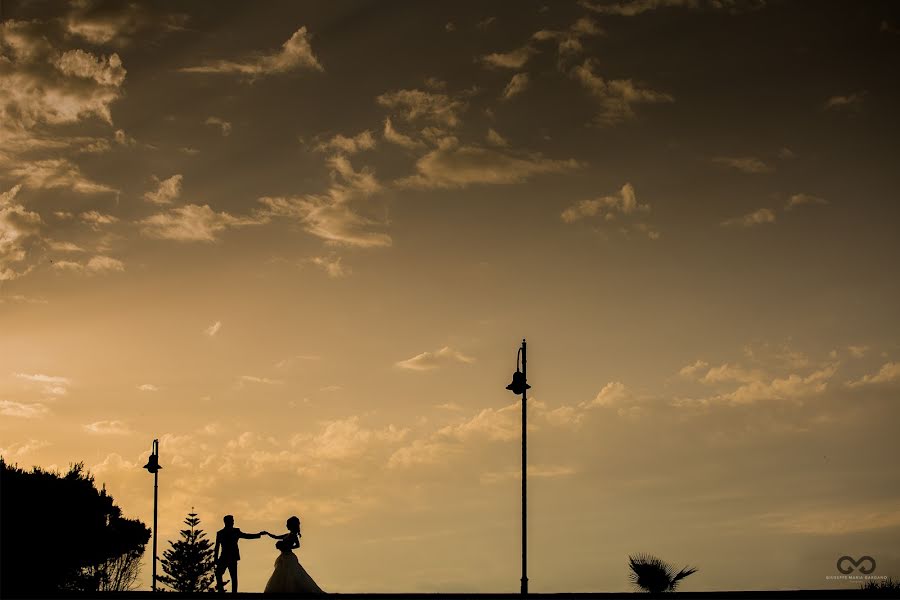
(188, 564)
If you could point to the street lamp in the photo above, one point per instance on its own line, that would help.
(518, 386)
(153, 466)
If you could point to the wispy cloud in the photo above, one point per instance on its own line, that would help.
(194, 223)
(53, 385)
(761, 216)
(616, 97)
(744, 164)
(295, 53)
(108, 428)
(517, 84)
(514, 59)
(427, 361)
(167, 190)
(849, 102)
(31, 410)
(223, 125)
(213, 329)
(888, 373)
(797, 200)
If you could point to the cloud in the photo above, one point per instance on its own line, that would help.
(395, 137)
(19, 235)
(167, 190)
(427, 361)
(213, 329)
(624, 202)
(888, 373)
(537, 471)
(850, 103)
(147, 387)
(757, 217)
(803, 200)
(569, 42)
(858, 351)
(745, 164)
(514, 59)
(260, 380)
(633, 8)
(495, 139)
(54, 173)
(616, 97)
(517, 84)
(32, 410)
(224, 126)
(52, 385)
(114, 23)
(97, 218)
(331, 216)
(415, 105)
(17, 450)
(64, 246)
(296, 53)
(108, 428)
(690, 371)
(96, 265)
(349, 145)
(756, 387)
(193, 223)
(612, 395)
(452, 165)
(332, 266)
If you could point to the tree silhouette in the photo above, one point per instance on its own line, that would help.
(655, 576)
(46, 514)
(189, 564)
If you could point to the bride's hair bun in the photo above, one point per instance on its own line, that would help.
(293, 524)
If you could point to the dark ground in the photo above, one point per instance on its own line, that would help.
(735, 595)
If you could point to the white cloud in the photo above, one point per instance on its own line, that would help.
(803, 200)
(31, 410)
(64, 246)
(452, 165)
(260, 380)
(17, 450)
(147, 387)
(888, 373)
(223, 125)
(632, 8)
(167, 190)
(97, 218)
(103, 70)
(108, 428)
(517, 84)
(331, 215)
(395, 137)
(514, 59)
(54, 173)
(616, 97)
(495, 139)
(53, 385)
(756, 387)
(213, 329)
(332, 265)
(691, 371)
(414, 105)
(624, 202)
(349, 145)
(296, 53)
(858, 351)
(744, 164)
(19, 229)
(96, 265)
(193, 223)
(427, 361)
(613, 394)
(757, 217)
(850, 102)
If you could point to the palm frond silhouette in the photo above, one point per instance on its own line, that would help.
(654, 575)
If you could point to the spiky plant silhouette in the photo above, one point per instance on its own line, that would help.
(653, 575)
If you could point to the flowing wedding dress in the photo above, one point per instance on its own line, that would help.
(289, 577)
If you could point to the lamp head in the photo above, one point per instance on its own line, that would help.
(518, 385)
(153, 463)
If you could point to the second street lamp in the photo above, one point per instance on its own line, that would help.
(518, 386)
(153, 467)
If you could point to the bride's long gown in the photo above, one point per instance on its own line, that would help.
(289, 577)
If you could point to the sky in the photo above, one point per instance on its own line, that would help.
(301, 245)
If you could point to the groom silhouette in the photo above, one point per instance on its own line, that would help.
(227, 539)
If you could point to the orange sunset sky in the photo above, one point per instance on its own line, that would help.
(300, 243)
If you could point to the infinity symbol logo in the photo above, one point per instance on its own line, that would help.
(847, 565)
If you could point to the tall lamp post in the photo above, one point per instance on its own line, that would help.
(153, 466)
(518, 386)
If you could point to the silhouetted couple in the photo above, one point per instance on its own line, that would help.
(289, 576)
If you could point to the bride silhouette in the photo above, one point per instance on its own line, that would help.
(289, 576)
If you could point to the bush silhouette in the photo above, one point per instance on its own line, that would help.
(653, 575)
(60, 533)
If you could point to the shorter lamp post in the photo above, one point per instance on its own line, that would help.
(153, 467)
(518, 386)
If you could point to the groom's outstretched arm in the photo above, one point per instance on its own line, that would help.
(250, 536)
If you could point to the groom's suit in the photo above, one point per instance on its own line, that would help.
(227, 540)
